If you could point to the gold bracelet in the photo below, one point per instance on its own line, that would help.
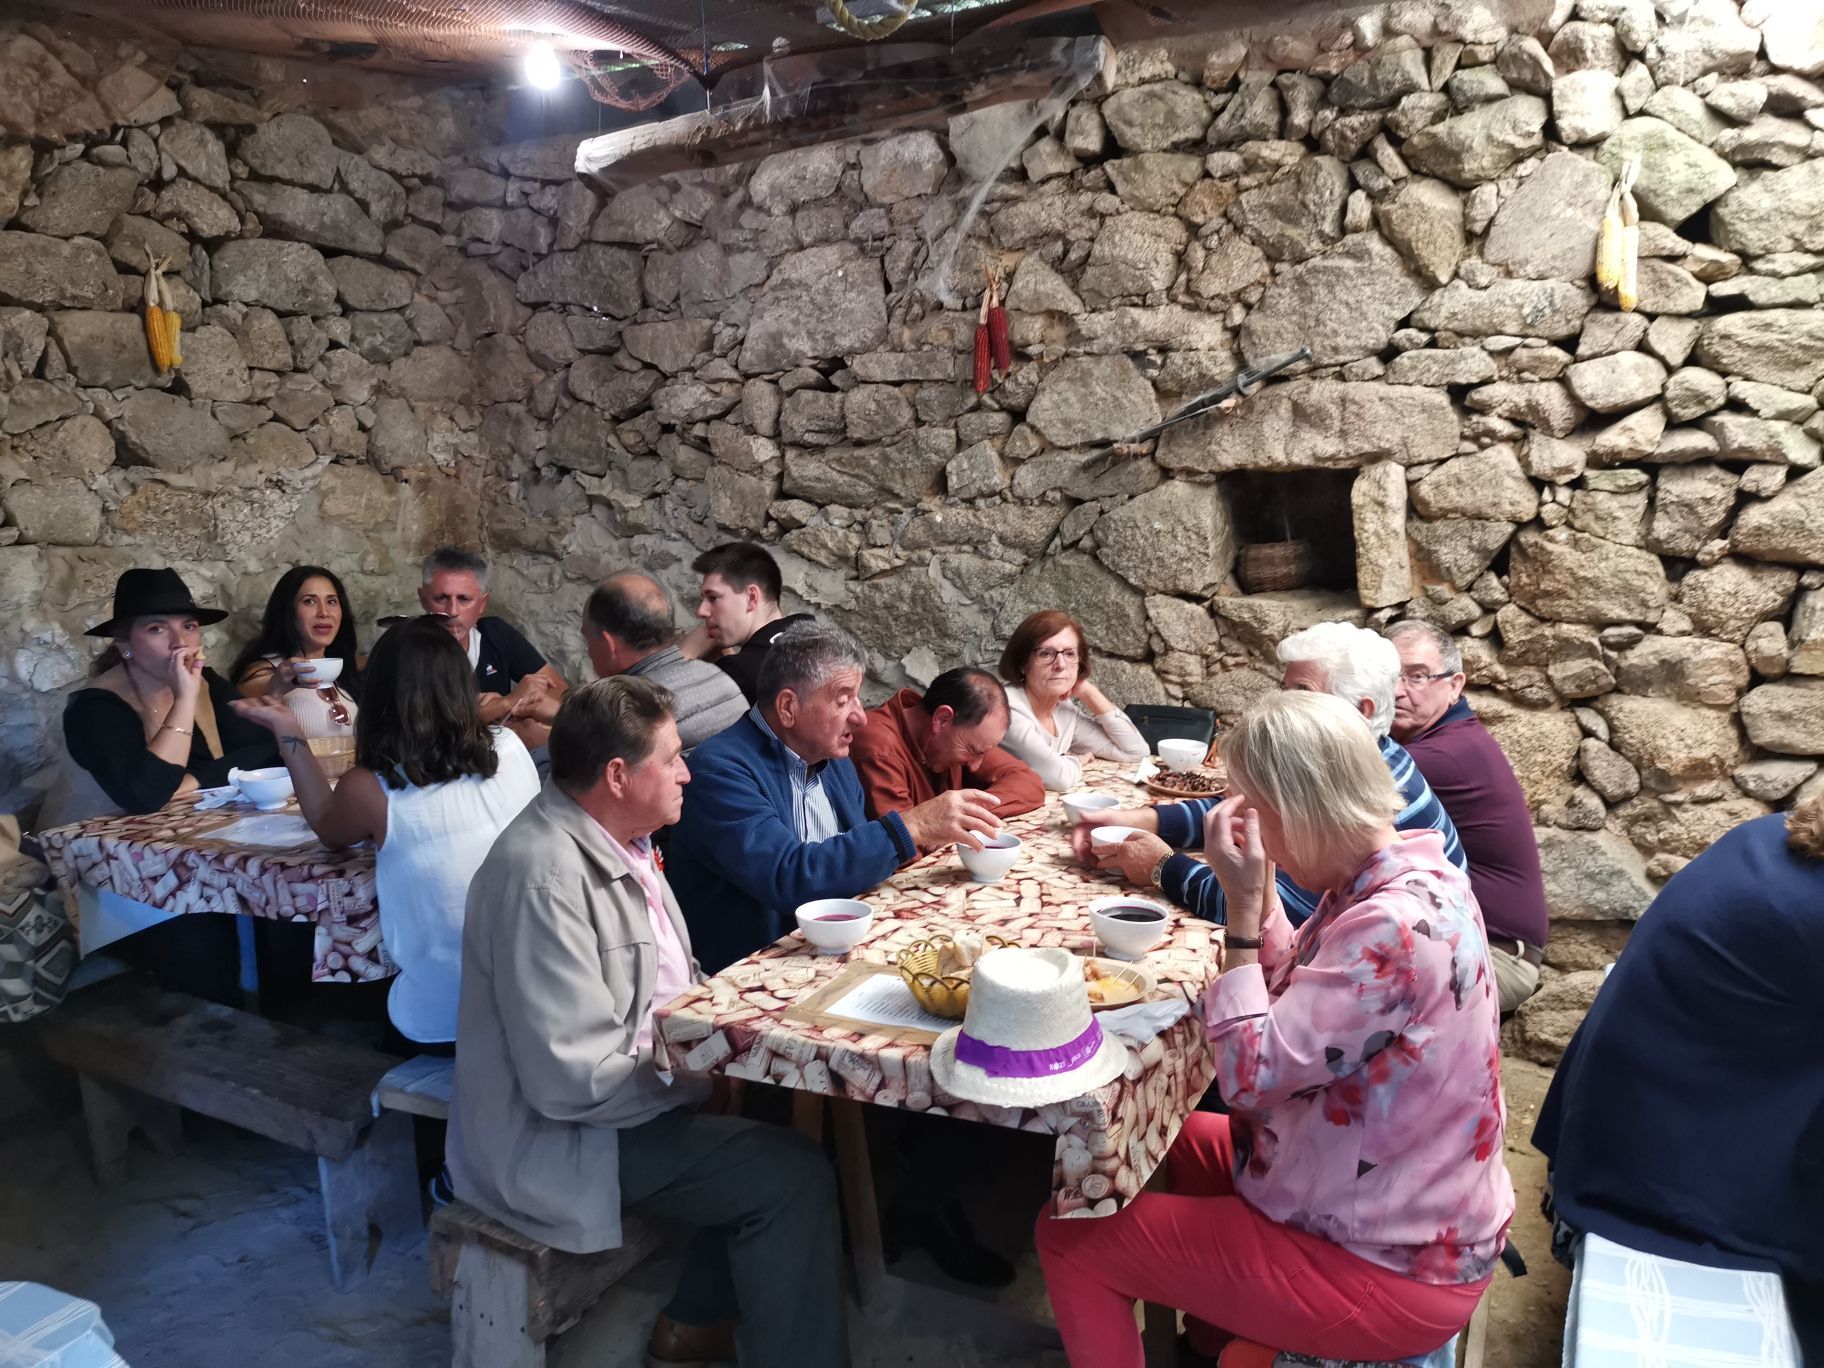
(181, 731)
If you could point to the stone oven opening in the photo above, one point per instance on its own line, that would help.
(1293, 529)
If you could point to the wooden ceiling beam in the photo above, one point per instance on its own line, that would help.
(844, 94)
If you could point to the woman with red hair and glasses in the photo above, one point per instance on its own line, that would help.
(1056, 713)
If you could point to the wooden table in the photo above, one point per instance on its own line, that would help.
(1108, 1142)
(170, 860)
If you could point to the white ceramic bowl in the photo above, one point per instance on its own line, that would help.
(1183, 755)
(1077, 806)
(1124, 939)
(317, 673)
(268, 789)
(835, 924)
(1105, 836)
(997, 855)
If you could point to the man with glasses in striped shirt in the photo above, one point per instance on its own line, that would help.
(1360, 667)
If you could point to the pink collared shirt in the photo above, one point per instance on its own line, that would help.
(1362, 1059)
(674, 961)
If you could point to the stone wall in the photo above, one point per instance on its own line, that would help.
(1621, 514)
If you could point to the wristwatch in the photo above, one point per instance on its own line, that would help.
(1158, 874)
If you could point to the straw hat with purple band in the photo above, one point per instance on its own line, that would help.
(1028, 1037)
(152, 593)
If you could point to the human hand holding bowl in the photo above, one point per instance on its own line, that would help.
(315, 673)
(1082, 836)
(1133, 857)
(963, 817)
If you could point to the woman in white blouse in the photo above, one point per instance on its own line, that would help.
(1057, 714)
(432, 787)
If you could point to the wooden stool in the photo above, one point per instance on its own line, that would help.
(509, 1294)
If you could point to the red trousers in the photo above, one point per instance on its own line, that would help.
(1233, 1272)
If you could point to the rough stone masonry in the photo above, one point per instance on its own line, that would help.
(396, 334)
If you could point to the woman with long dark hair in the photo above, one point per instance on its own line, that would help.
(307, 619)
(432, 786)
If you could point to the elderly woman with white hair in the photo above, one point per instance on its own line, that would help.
(1355, 1202)
(1358, 666)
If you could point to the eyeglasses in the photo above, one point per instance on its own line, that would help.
(1051, 654)
(1418, 679)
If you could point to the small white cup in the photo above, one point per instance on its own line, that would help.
(268, 789)
(1183, 755)
(1125, 939)
(833, 925)
(1077, 806)
(991, 863)
(316, 674)
(1105, 836)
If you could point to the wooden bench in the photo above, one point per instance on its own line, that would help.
(422, 1086)
(510, 1294)
(142, 1054)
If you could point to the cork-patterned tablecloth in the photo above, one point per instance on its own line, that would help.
(1108, 1142)
(168, 860)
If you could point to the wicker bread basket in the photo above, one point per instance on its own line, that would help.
(936, 975)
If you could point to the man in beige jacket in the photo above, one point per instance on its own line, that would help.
(561, 1117)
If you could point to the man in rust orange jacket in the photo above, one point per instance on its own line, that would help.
(914, 748)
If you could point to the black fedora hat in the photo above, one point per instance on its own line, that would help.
(152, 593)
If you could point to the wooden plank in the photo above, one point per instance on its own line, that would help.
(560, 1286)
(300, 1089)
(843, 94)
(855, 1175)
(1158, 1322)
(807, 1116)
(112, 1113)
(1474, 1342)
(490, 1312)
(422, 1086)
(373, 1192)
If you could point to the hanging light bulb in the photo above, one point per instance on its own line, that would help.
(543, 70)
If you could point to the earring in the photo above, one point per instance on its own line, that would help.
(126, 655)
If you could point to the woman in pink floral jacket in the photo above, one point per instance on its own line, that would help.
(1355, 1203)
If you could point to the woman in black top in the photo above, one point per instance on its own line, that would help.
(154, 721)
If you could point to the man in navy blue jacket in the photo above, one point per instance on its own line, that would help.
(774, 815)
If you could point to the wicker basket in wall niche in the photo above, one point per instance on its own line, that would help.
(1268, 566)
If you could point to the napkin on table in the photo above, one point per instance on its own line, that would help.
(1144, 1020)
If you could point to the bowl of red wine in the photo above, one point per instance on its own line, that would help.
(1128, 927)
(835, 924)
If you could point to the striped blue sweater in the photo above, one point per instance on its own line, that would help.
(1191, 883)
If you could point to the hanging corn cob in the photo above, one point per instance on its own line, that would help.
(984, 364)
(162, 322)
(1000, 346)
(1618, 245)
(174, 321)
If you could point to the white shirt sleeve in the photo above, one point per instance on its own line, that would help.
(1030, 742)
(1109, 737)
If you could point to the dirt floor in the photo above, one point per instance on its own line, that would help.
(215, 1259)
